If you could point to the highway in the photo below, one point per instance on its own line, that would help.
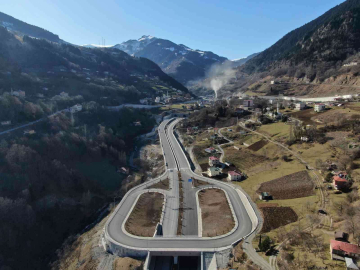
(189, 241)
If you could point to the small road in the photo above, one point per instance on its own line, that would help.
(247, 243)
(273, 259)
(31, 123)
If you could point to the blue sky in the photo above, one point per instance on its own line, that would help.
(230, 28)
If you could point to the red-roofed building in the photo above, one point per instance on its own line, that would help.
(339, 250)
(213, 161)
(340, 182)
(234, 176)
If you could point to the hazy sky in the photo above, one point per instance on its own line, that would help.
(230, 28)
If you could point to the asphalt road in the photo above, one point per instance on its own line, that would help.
(176, 159)
(32, 123)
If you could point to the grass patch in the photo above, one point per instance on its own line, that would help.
(146, 215)
(216, 214)
(163, 184)
(277, 131)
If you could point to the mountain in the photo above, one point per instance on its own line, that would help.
(242, 61)
(330, 37)
(179, 61)
(21, 28)
(93, 74)
(133, 46)
(315, 54)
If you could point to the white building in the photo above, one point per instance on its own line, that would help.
(319, 107)
(6, 123)
(214, 171)
(351, 64)
(304, 139)
(157, 100)
(76, 108)
(18, 93)
(234, 176)
(300, 106)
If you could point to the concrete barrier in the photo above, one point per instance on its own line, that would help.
(147, 261)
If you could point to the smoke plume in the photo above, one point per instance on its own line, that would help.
(217, 76)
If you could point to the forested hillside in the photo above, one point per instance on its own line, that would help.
(314, 59)
(58, 174)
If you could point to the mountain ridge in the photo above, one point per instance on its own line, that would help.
(19, 27)
(178, 60)
(310, 59)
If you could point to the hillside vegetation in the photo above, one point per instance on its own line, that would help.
(310, 60)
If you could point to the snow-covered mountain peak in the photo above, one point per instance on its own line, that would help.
(146, 37)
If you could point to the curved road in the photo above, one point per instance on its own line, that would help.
(176, 161)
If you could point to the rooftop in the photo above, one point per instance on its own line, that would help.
(213, 158)
(234, 173)
(343, 246)
(339, 179)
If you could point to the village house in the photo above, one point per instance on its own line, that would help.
(137, 124)
(76, 108)
(340, 181)
(304, 139)
(339, 250)
(214, 171)
(264, 196)
(319, 107)
(351, 64)
(6, 123)
(234, 176)
(29, 132)
(213, 161)
(350, 264)
(300, 106)
(123, 170)
(18, 93)
(341, 236)
(210, 150)
(157, 100)
(248, 103)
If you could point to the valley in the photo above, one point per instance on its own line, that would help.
(149, 154)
